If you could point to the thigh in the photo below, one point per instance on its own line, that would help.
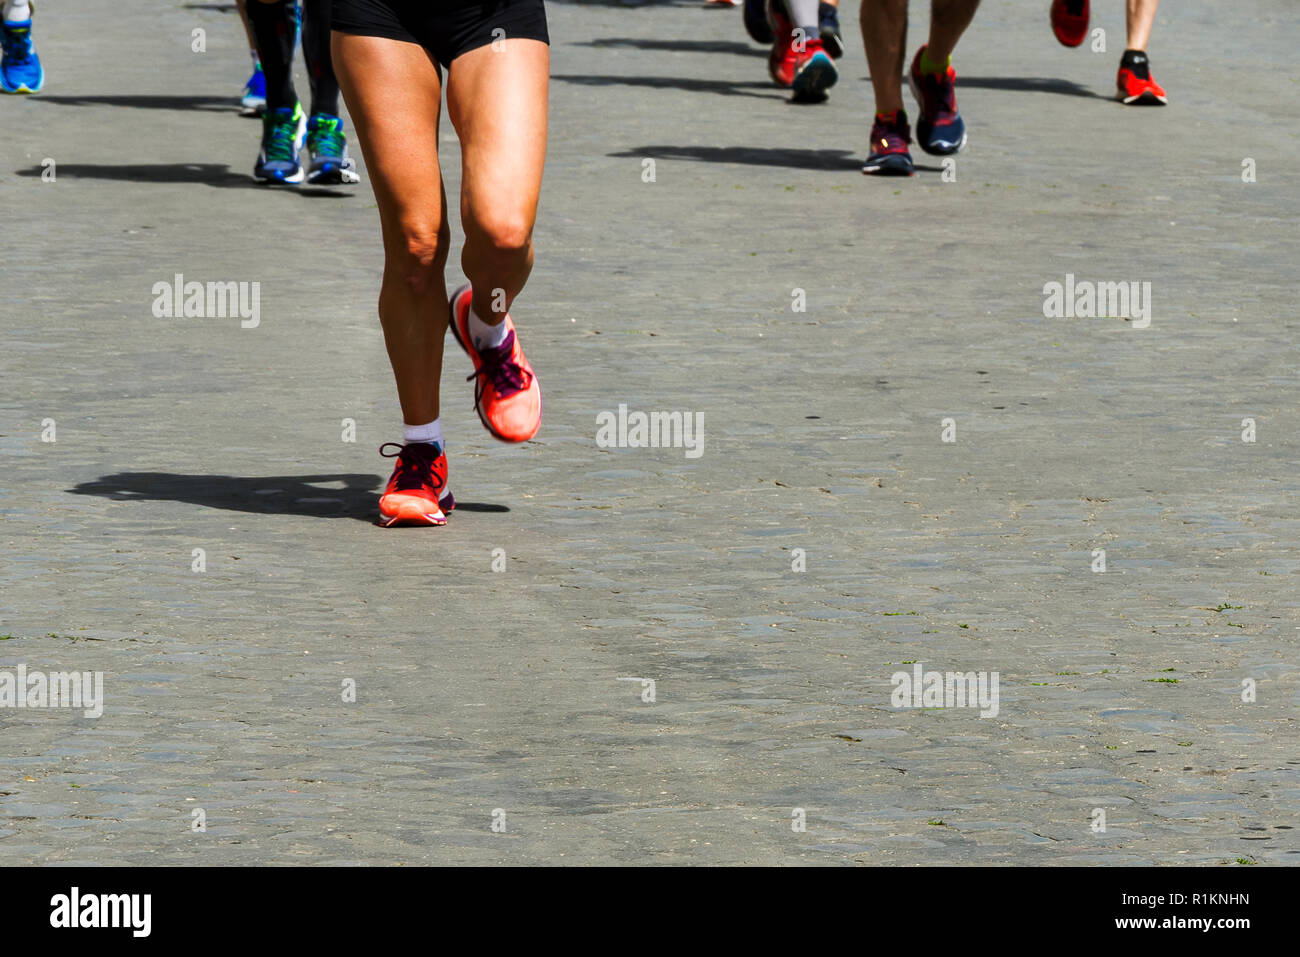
(393, 92)
(496, 98)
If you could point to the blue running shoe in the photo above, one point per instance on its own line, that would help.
(330, 163)
(20, 67)
(755, 17)
(253, 102)
(282, 135)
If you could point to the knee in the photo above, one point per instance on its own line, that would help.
(506, 238)
(423, 256)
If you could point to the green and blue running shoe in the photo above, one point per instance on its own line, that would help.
(282, 136)
(330, 163)
(253, 101)
(20, 67)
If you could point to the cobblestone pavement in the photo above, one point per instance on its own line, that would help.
(827, 538)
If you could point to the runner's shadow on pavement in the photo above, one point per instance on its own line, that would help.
(677, 46)
(689, 84)
(834, 160)
(150, 101)
(269, 495)
(217, 175)
(1029, 84)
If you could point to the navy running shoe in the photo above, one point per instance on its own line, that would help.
(282, 134)
(828, 22)
(940, 129)
(330, 163)
(890, 136)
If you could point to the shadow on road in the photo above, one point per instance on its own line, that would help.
(1028, 84)
(736, 47)
(269, 495)
(150, 101)
(690, 84)
(837, 160)
(209, 174)
(218, 175)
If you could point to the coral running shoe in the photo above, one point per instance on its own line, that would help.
(940, 129)
(507, 396)
(890, 136)
(417, 492)
(814, 73)
(1136, 88)
(1070, 21)
(784, 59)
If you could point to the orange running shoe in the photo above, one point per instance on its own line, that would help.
(507, 396)
(416, 493)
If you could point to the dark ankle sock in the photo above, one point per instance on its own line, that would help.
(1136, 60)
(275, 25)
(316, 51)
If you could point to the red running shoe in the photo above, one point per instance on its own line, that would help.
(814, 72)
(1136, 88)
(1070, 21)
(506, 395)
(416, 493)
(783, 59)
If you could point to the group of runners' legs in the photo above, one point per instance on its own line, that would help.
(806, 41)
(393, 60)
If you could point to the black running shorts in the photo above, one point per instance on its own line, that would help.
(446, 28)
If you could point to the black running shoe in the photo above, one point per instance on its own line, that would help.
(756, 21)
(828, 19)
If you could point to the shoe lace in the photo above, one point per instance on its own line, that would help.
(499, 368)
(17, 44)
(327, 140)
(417, 466)
(284, 132)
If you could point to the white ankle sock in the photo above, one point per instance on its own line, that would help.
(431, 433)
(485, 336)
(17, 11)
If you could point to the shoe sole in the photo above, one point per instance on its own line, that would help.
(889, 166)
(295, 180)
(23, 89)
(1066, 43)
(415, 517)
(455, 331)
(337, 176)
(811, 83)
(1145, 98)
